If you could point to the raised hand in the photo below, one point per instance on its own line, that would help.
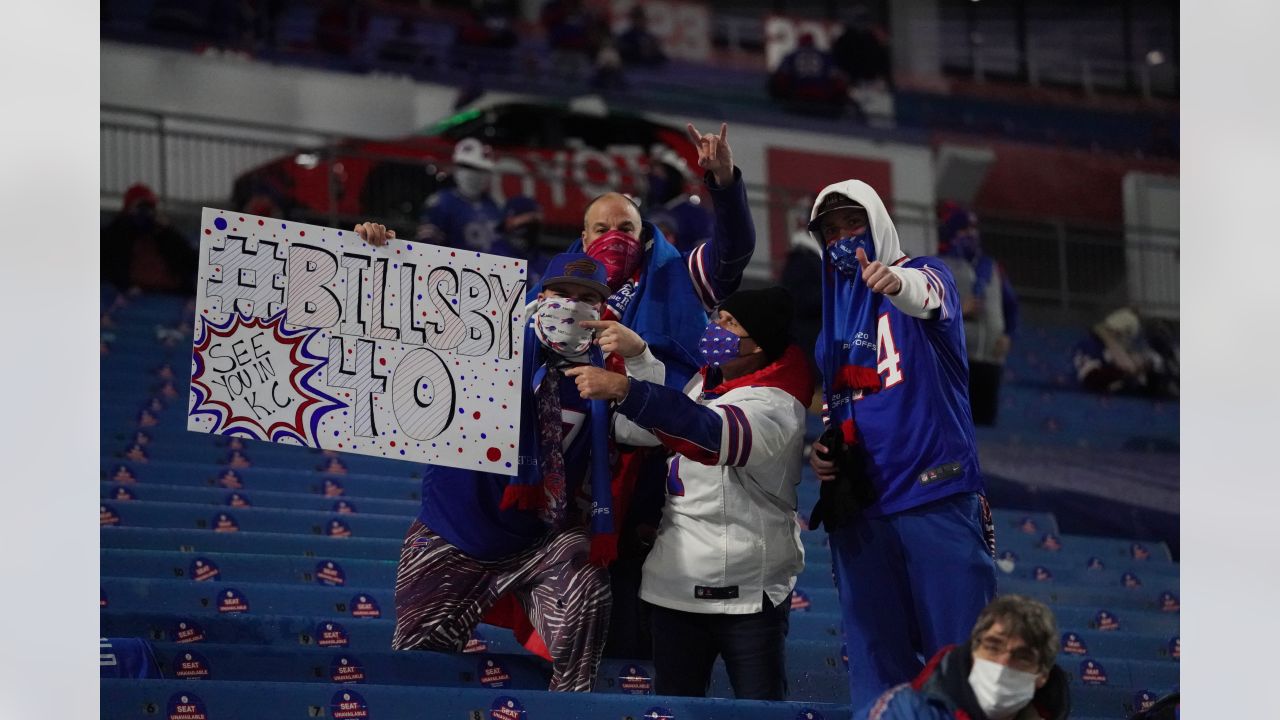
(599, 384)
(877, 275)
(714, 153)
(616, 337)
(374, 233)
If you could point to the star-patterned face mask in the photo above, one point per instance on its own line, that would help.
(718, 346)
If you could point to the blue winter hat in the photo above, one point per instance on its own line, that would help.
(578, 269)
(955, 221)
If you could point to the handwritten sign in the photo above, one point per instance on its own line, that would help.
(306, 335)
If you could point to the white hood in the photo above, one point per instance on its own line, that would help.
(883, 233)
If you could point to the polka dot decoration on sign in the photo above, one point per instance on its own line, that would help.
(388, 343)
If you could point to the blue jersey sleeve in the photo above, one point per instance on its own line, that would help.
(679, 423)
(717, 265)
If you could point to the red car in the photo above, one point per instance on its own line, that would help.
(560, 155)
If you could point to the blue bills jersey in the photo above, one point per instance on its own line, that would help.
(917, 430)
(453, 220)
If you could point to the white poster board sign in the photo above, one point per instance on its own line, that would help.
(306, 335)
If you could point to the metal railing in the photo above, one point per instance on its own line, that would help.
(194, 161)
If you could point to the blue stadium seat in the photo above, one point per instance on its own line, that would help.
(128, 699)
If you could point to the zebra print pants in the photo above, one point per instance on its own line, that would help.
(441, 594)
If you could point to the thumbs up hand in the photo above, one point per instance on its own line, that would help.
(877, 275)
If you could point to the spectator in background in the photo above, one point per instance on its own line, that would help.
(403, 48)
(808, 81)
(490, 24)
(340, 27)
(682, 217)
(802, 275)
(1118, 358)
(989, 306)
(607, 73)
(141, 250)
(1006, 671)
(522, 227)
(573, 36)
(465, 216)
(862, 52)
(638, 46)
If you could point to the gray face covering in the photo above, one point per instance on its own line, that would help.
(472, 183)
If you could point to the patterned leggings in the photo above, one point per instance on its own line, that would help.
(441, 594)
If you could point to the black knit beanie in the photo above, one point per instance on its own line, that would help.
(766, 316)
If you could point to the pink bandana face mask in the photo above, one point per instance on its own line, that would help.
(619, 253)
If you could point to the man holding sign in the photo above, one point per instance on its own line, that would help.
(480, 535)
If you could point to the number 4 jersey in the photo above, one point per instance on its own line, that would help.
(917, 430)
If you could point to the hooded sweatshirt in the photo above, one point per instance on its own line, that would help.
(916, 428)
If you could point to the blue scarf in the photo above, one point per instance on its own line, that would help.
(846, 349)
(524, 490)
(662, 308)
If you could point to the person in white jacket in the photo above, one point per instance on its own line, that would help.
(727, 552)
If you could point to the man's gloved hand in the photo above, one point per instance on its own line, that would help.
(846, 489)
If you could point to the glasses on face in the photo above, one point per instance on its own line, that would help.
(1006, 651)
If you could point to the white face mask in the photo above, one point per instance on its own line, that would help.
(1001, 690)
(471, 182)
(557, 323)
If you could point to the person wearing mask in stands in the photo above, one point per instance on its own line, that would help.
(466, 216)
(480, 537)
(902, 494)
(1006, 671)
(141, 250)
(728, 549)
(989, 306)
(664, 295)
